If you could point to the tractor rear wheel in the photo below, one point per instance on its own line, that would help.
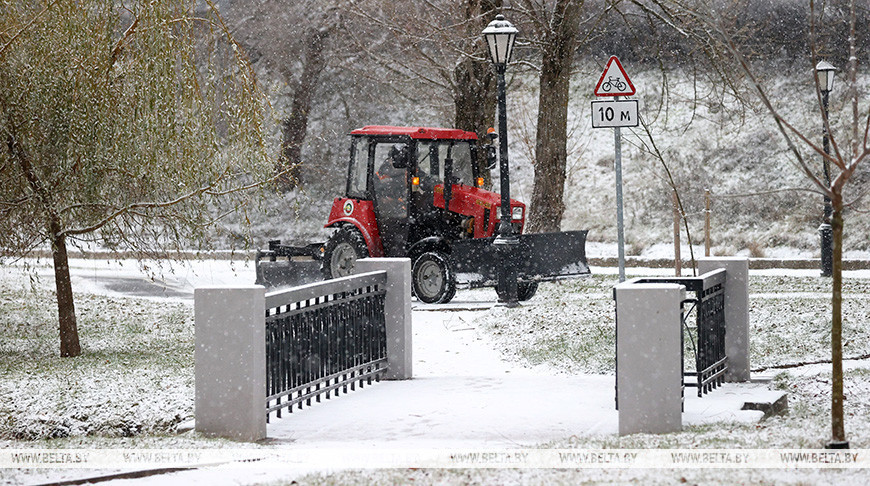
(432, 279)
(525, 290)
(343, 249)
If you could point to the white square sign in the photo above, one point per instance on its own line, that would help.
(611, 114)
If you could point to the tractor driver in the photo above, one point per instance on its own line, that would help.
(391, 197)
(392, 166)
(390, 180)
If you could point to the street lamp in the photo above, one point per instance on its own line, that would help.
(825, 72)
(500, 36)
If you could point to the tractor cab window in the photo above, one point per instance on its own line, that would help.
(390, 187)
(432, 158)
(429, 166)
(462, 170)
(390, 182)
(358, 176)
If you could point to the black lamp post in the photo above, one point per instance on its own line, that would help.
(500, 36)
(825, 73)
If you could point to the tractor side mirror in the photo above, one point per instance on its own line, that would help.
(399, 155)
(490, 157)
(490, 149)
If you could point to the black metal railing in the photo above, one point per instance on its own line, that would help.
(708, 335)
(323, 339)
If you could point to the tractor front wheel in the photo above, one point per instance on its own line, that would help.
(343, 249)
(432, 279)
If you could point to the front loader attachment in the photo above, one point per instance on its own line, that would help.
(537, 257)
(288, 266)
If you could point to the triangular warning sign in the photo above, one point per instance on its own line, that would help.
(614, 81)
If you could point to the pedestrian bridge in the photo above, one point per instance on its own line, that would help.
(464, 395)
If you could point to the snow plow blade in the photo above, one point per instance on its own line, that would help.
(537, 257)
(288, 266)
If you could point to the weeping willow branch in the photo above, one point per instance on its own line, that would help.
(116, 51)
(29, 24)
(206, 190)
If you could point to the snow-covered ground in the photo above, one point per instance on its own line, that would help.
(476, 386)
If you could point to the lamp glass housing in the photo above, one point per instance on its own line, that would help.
(826, 75)
(500, 36)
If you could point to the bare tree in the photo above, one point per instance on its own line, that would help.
(433, 47)
(292, 41)
(109, 141)
(558, 27)
(850, 149)
(473, 76)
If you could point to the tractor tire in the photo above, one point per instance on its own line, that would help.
(432, 279)
(525, 290)
(343, 249)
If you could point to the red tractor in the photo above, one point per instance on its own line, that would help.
(418, 193)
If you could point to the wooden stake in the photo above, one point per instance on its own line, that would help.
(707, 242)
(678, 261)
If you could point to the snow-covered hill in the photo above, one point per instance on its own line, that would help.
(707, 139)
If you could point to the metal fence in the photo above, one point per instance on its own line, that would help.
(324, 339)
(707, 336)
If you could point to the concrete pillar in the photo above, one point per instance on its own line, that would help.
(649, 367)
(397, 312)
(736, 312)
(230, 362)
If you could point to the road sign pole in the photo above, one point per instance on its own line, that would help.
(614, 82)
(620, 230)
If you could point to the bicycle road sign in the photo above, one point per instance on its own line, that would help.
(614, 81)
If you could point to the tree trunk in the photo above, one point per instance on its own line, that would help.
(838, 428)
(474, 81)
(547, 205)
(69, 334)
(66, 311)
(295, 126)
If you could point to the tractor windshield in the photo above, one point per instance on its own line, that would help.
(462, 164)
(432, 157)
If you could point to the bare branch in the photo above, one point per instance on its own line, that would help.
(16, 203)
(853, 77)
(658, 155)
(814, 59)
(783, 126)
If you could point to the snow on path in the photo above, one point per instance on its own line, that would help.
(463, 394)
(463, 397)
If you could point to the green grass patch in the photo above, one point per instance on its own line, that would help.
(135, 374)
(571, 325)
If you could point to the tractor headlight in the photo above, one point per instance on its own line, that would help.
(517, 213)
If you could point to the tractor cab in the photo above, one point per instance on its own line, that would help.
(412, 186)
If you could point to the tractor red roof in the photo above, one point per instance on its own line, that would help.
(417, 132)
